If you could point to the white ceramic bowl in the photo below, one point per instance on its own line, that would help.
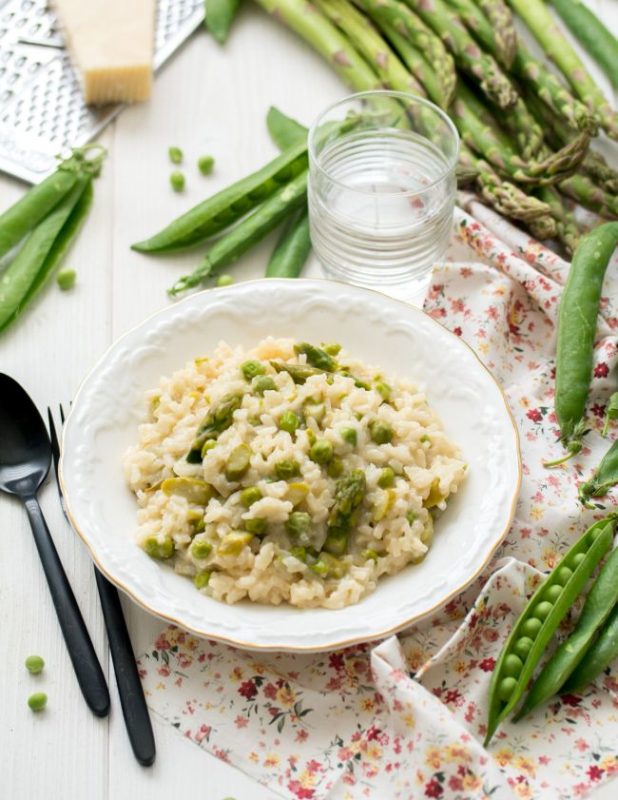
(382, 331)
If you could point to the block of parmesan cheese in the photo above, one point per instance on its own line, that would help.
(111, 43)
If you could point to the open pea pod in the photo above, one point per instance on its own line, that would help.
(540, 618)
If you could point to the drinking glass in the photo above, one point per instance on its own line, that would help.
(381, 188)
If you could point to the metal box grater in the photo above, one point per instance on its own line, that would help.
(42, 110)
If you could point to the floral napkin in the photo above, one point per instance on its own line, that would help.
(406, 718)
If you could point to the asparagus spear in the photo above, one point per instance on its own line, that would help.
(252, 229)
(392, 16)
(370, 45)
(415, 63)
(566, 228)
(303, 18)
(468, 55)
(584, 191)
(592, 35)
(546, 31)
(503, 25)
(483, 31)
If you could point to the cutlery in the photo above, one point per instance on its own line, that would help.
(132, 700)
(25, 458)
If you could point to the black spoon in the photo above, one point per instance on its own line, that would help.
(25, 458)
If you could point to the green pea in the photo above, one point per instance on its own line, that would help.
(159, 549)
(205, 164)
(298, 523)
(195, 518)
(552, 593)
(208, 445)
(332, 349)
(369, 555)
(34, 664)
(287, 468)
(383, 389)
(563, 575)
(66, 279)
(349, 436)
(411, 516)
(37, 701)
(238, 462)
(252, 368)
(177, 181)
(201, 548)
(263, 383)
(512, 666)
(256, 525)
(387, 478)
(201, 579)
(381, 432)
(321, 451)
(578, 558)
(299, 552)
(522, 646)
(225, 280)
(289, 422)
(531, 627)
(336, 542)
(335, 468)
(506, 688)
(543, 609)
(175, 154)
(249, 496)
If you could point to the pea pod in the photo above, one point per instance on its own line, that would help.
(248, 232)
(284, 131)
(598, 657)
(611, 413)
(220, 15)
(577, 321)
(292, 250)
(39, 254)
(599, 603)
(604, 477)
(229, 205)
(531, 633)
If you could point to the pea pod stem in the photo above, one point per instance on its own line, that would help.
(595, 542)
(604, 477)
(577, 322)
(599, 603)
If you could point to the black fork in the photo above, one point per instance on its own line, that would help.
(132, 700)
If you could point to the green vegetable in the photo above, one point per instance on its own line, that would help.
(218, 419)
(248, 232)
(287, 468)
(349, 494)
(298, 372)
(577, 321)
(321, 451)
(292, 249)
(298, 525)
(219, 17)
(411, 516)
(201, 548)
(37, 701)
(177, 181)
(381, 432)
(503, 26)
(66, 279)
(159, 548)
(238, 462)
(335, 468)
(41, 252)
(233, 543)
(263, 383)
(205, 164)
(194, 490)
(316, 357)
(604, 477)
(600, 602)
(249, 496)
(195, 518)
(336, 542)
(289, 422)
(588, 29)
(201, 579)
(296, 492)
(256, 525)
(384, 390)
(34, 664)
(572, 578)
(349, 436)
(599, 656)
(328, 566)
(369, 555)
(611, 413)
(229, 205)
(299, 552)
(387, 478)
(284, 131)
(175, 155)
(225, 280)
(252, 368)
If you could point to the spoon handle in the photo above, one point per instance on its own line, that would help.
(85, 663)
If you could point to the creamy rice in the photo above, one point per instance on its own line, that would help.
(347, 493)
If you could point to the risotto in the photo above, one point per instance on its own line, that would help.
(289, 473)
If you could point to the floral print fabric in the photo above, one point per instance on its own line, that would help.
(405, 719)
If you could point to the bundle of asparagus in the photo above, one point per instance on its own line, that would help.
(525, 131)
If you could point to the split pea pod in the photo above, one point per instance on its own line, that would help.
(41, 252)
(229, 205)
(577, 320)
(598, 657)
(291, 251)
(284, 131)
(220, 15)
(604, 477)
(540, 618)
(251, 230)
(599, 604)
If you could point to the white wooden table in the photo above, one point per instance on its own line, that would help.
(207, 100)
